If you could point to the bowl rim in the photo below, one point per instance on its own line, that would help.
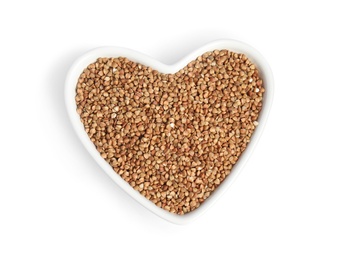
(230, 44)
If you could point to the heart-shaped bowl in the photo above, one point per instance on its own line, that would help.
(82, 62)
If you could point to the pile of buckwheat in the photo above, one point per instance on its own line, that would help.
(172, 137)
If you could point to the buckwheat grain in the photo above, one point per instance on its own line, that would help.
(172, 137)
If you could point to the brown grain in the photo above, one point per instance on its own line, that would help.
(172, 137)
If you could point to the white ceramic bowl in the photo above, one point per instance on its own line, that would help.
(82, 62)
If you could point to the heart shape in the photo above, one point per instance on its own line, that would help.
(172, 121)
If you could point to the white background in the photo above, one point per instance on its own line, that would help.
(55, 201)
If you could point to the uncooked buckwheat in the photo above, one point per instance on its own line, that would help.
(172, 137)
